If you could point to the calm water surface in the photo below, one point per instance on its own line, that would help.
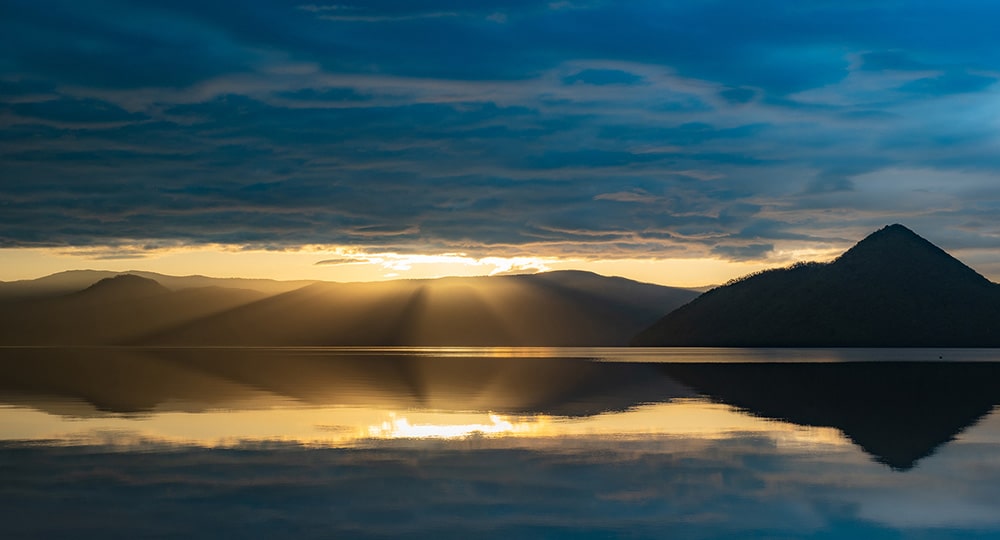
(499, 443)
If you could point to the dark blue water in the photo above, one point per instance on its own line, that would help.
(535, 443)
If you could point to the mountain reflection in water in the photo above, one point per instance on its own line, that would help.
(897, 412)
(146, 381)
(496, 444)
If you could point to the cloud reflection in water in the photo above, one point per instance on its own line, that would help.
(318, 444)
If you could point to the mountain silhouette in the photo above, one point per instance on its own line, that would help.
(562, 308)
(112, 311)
(70, 281)
(898, 412)
(892, 289)
(124, 287)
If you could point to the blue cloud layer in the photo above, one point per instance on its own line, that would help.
(647, 128)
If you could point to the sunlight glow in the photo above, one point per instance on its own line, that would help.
(405, 262)
(400, 427)
(328, 263)
(687, 419)
(344, 264)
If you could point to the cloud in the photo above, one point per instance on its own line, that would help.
(749, 252)
(629, 128)
(602, 76)
(320, 8)
(342, 260)
(892, 60)
(738, 95)
(950, 83)
(637, 196)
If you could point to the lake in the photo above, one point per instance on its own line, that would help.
(499, 443)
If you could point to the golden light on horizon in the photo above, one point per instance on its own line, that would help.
(352, 265)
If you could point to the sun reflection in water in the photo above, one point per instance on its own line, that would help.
(693, 419)
(401, 428)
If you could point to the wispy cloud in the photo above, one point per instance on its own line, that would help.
(556, 127)
(342, 260)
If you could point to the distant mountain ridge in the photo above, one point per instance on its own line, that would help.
(70, 281)
(125, 287)
(563, 308)
(892, 289)
(111, 311)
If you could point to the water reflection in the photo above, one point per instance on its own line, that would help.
(458, 443)
(897, 412)
(131, 381)
(582, 487)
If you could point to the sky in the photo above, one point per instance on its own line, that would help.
(684, 142)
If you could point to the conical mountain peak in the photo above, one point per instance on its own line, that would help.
(892, 240)
(892, 289)
(895, 252)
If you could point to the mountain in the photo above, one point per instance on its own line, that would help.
(113, 310)
(550, 309)
(892, 289)
(563, 308)
(57, 284)
(63, 283)
(123, 287)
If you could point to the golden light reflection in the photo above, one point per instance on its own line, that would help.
(689, 419)
(399, 427)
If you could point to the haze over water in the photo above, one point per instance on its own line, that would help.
(499, 443)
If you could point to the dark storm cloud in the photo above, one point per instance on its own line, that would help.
(644, 128)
